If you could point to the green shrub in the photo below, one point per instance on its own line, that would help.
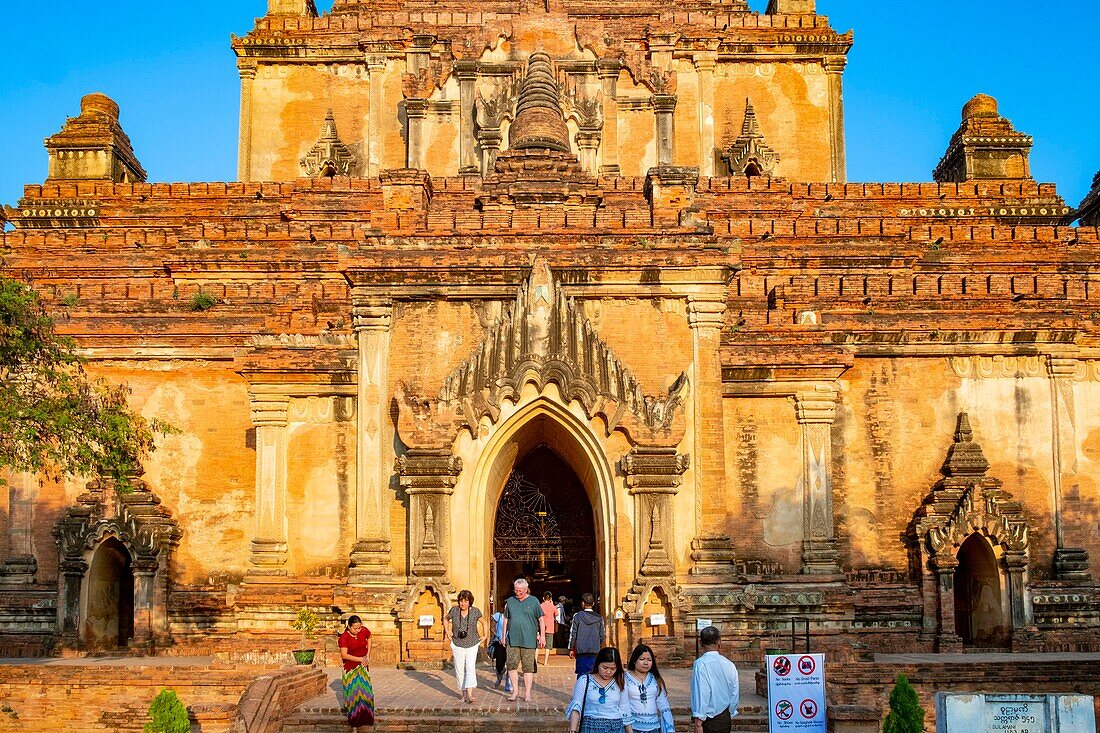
(305, 621)
(69, 300)
(167, 715)
(906, 714)
(201, 301)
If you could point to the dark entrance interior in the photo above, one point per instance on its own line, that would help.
(979, 618)
(545, 532)
(110, 618)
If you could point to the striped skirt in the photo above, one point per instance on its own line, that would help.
(358, 697)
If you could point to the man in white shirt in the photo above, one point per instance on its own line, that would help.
(714, 686)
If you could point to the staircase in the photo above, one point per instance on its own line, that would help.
(329, 719)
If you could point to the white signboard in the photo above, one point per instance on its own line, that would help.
(657, 619)
(1014, 713)
(426, 621)
(796, 693)
(702, 623)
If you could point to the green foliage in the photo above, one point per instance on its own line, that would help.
(167, 715)
(202, 301)
(906, 714)
(54, 418)
(69, 300)
(307, 622)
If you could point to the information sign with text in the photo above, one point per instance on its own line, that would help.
(796, 693)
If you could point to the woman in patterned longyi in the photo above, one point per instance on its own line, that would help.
(358, 701)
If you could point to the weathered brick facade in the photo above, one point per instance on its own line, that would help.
(547, 224)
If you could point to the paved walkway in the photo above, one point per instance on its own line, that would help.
(402, 690)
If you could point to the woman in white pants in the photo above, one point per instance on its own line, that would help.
(465, 627)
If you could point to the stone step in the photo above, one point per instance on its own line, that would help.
(330, 720)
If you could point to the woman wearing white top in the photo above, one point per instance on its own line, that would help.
(645, 689)
(599, 703)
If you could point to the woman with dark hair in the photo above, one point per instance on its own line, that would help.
(645, 688)
(465, 627)
(354, 646)
(600, 703)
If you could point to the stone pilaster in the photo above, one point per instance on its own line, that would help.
(608, 71)
(653, 478)
(588, 143)
(20, 565)
(834, 70)
(1071, 564)
(370, 557)
(429, 477)
(664, 105)
(68, 599)
(247, 70)
(947, 639)
(704, 69)
(466, 73)
(816, 411)
(269, 550)
(416, 110)
(145, 571)
(376, 69)
(712, 549)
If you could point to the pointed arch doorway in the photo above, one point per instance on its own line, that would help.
(544, 530)
(109, 618)
(979, 612)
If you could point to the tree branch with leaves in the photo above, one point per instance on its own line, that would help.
(54, 417)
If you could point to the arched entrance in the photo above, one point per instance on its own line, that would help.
(570, 449)
(979, 612)
(109, 618)
(544, 530)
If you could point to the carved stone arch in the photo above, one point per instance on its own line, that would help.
(543, 417)
(541, 367)
(966, 502)
(639, 606)
(421, 598)
(138, 521)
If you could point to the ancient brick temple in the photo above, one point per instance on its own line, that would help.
(579, 292)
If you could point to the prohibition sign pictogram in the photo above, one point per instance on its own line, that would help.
(808, 709)
(782, 666)
(784, 710)
(806, 665)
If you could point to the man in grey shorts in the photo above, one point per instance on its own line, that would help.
(523, 635)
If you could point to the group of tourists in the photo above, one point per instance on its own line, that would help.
(607, 698)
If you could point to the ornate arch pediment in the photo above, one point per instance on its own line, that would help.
(542, 337)
(966, 501)
(136, 518)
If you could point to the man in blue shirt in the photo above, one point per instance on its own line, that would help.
(714, 686)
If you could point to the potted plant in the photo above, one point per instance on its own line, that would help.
(306, 621)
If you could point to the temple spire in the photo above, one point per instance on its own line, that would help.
(539, 122)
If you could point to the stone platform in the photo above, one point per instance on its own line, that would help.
(428, 700)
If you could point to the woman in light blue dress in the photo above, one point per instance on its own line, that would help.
(645, 689)
(600, 703)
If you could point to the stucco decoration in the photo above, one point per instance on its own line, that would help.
(330, 156)
(146, 529)
(749, 154)
(966, 502)
(542, 337)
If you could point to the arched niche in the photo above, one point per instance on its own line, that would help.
(108, 598)
(980, 618)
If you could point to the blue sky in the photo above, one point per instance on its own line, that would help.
(169, 66)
